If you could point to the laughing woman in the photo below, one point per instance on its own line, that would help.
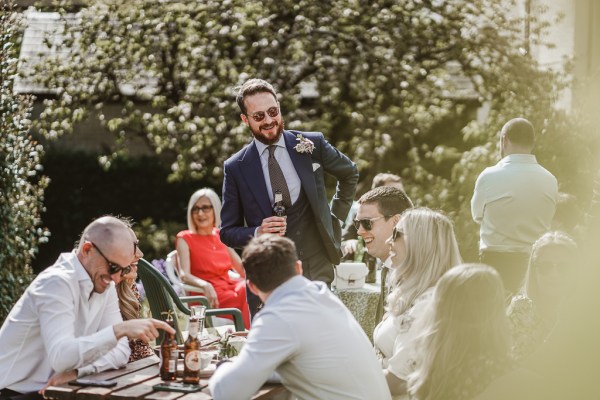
(204, 260)
(422, 248)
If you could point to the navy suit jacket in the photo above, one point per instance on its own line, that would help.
(246, 201)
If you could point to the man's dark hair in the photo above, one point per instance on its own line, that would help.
(384, 178)
(389, 200)
(519, 131)
(269, 261)
(250, 87)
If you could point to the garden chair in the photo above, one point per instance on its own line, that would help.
(163, 298)
(172, 270)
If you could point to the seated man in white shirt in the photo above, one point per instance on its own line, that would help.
(303, 333)
(68, 323)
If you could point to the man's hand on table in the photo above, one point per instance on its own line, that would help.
(59, 378)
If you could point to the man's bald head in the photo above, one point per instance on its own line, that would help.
(113, 236)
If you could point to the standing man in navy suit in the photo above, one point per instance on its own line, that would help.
(294, 163)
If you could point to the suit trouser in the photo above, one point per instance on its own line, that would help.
(317, 268)
(511, 266)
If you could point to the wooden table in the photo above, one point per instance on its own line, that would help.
(135, 381)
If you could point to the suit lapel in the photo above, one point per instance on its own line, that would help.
(303, 164)
(252, 170)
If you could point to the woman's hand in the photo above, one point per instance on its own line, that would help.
(211, 294)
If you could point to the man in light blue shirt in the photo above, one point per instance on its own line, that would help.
(303, 335)
(514, 202)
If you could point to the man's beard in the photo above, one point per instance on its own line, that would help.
(258, 135)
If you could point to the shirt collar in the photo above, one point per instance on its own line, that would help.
(294, 283)
(519, 158)
(261, 147)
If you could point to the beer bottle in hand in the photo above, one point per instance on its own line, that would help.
(191, 349)
(278, 207)
(168, 353)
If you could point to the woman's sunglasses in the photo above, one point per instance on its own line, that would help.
(396, 234)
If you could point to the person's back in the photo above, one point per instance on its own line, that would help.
(303, 336)
(333, 357)
(520, 204)
(514, 202)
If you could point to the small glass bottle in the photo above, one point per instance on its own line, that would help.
(278, 207)
(191, 349)
(168, 353)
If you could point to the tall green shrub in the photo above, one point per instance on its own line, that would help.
(21, 183)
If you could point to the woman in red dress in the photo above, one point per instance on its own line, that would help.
(204, 261)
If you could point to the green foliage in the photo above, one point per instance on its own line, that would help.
(82, 190)
(158, 239)
(21, 184)
(382, 70)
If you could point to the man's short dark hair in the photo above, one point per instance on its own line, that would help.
(519, 131)
(250, 87)
(389, 200)
(269, 261)
(385, 178)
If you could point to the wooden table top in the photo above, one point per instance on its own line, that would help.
(135, 381)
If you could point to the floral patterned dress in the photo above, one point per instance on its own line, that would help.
(139, 348)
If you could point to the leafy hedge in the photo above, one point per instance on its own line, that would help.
(81, 190)
(21, 184)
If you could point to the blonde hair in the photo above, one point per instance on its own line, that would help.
(214, 201)
(463, 329)
(431, 250)
(128, 302)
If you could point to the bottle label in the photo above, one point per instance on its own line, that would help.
(173, 360)
(194, 328)
(192, 360)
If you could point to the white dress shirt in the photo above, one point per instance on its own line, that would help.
(514, 201)
(311, 340)
(285, 163)
(58, 326)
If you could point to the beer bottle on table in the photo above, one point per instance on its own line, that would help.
(168, 353)
(191, 349)
(278, 207)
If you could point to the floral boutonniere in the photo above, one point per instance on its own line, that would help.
(305, 145)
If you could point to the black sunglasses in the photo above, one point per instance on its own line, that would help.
(260, 115)
(113, 268)
(396, 234)
(367, 223)
(204, 209)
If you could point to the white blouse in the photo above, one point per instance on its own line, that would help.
(394, 337)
